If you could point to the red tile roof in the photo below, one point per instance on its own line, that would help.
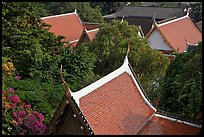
(68, 25)
(180, 31)
(116, 107)
(115, 104)
(161, 126)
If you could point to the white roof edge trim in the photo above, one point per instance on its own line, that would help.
(58, 15)
(174, 20)
(140, 91)
(74, 41)
(124, 68)
(78, 18)
(177, 120)
(91, 30)
(88, 89)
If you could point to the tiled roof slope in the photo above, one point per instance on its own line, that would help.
(180, 31)
(199, 25)
(116, 104)
(68, 25)
(149, 12)
(161, 126)
(114, 108)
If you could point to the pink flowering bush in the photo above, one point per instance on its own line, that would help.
(18, 118)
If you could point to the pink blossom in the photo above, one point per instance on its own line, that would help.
(17, 77)
(13, 105)
(27, 106)
(3, 92)
(11, 90)
(14, 114)
(14, 98)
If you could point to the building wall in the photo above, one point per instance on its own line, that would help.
(157, 42)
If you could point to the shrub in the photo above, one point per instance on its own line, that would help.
(18, 118)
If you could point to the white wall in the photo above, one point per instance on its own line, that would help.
(157, 42)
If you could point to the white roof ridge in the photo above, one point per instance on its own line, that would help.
(174, 20)
(74, 41)
(88, 89)
(52, 16)
(91, 30)
(97, 84)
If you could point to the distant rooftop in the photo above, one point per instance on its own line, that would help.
(148, 12)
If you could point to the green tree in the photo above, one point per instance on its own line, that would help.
(108, 7)
(181, 89)
(78, 66)
(26, 41)
(110, 46)
(196, 11)
(85, 11)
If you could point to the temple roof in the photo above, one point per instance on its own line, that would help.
(116, 104)
(178, 32)
(70, 26)
(148, 12)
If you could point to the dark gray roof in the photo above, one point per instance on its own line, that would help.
(199, 25)
(148, 12)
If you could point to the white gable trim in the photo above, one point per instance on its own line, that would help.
(177, 120)
(74, 41)
(91, 30)
(171, 21)
(124, 68)
(53, 16)
(77, 95)
(75, 12)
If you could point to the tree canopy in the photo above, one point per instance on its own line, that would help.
(85, 11)
(36, 55)
(108, 7)
(181, 89)
(110, 46)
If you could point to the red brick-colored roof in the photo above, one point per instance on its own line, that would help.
(68, 25)
(116, 107)
(161, 126)
(178, 32)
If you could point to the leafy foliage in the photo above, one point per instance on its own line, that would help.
(85, 11)
(108, 7)
(37, 55)
(196, 11)
(18, 117)
(78, 67)
(110, 46)
(181, 89)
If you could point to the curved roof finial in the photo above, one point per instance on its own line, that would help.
(128, 49)
(75, 11)
(122, 20)
(67, 90)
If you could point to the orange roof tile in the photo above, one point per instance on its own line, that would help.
(116, 104)
(68, 25)
(116, 107)
(161, 126)
(180, 31)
